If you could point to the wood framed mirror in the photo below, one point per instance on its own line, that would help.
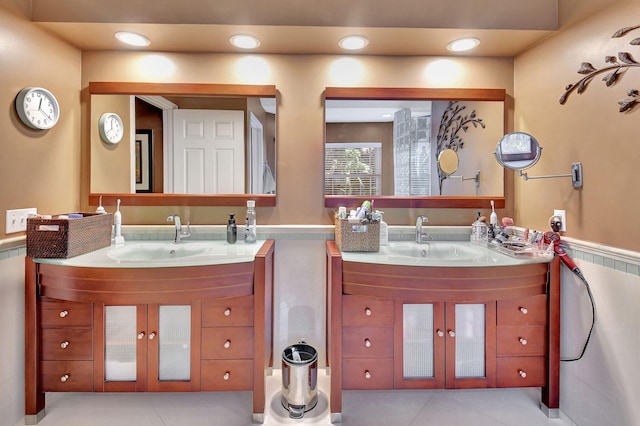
(196, 93)
(361, 95)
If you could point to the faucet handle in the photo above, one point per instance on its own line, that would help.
(186, 233)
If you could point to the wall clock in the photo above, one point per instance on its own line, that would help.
(111, 127)
(37, 108)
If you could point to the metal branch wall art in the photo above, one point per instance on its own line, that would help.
(453, 121)
(617, 67)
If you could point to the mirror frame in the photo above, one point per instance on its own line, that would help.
(175, 89)
(426, 94)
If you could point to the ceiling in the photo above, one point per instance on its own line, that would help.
(394, 27)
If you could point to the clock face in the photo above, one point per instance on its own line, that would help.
(37, 108)
(111, 127)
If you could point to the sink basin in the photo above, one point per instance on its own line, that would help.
(441, 251)
(162, 250)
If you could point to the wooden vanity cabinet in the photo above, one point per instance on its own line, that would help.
(224, 313)
(467, 327)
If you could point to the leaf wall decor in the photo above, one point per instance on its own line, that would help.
(617, 66)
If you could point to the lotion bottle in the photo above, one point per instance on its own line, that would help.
(232, 230)
(384, 231)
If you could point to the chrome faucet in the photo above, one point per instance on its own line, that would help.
(421, 237)
(179, 232)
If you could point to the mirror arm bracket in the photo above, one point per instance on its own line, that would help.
(475, 178)
(575, 175)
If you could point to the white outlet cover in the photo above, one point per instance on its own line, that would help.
(16, 220)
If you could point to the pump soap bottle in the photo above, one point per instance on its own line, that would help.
(232, 230)
(250, 223)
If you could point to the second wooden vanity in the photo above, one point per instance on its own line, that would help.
(127, 329)
(425, 327)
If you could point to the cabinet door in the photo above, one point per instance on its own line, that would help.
(470, 345)
(419, 347)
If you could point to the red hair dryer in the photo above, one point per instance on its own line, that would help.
(551, 237)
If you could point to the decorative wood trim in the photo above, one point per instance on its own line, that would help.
(34, 397)
(457, 202)
(334, 325)
(262, 322)
(413, 93)
(262, 200)
(551, 390)
(171, 89)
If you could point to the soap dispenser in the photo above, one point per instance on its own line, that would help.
(232, 229)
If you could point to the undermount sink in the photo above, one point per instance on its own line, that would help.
(441, 251)
(164, 250)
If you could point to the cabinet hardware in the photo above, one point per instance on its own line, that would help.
(64, 345)
(367, 343)
(367, 374)
(523, 341)
(522, 374)
(64, 314)
(152, 335)
(524, 310)
(367, 312)
(64, 378)
(227, 312)
(227, 344)
(440, 333)
(226, 376)
(141, 335)
(452, 333)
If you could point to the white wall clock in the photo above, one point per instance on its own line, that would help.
(37, 108)
(111, 127)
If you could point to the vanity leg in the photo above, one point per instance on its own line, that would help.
(551, 391)
(34, 397)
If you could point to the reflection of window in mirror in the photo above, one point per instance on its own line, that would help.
(352, 168)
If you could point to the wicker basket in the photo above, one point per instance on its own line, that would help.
(64, 238)
(357, 237)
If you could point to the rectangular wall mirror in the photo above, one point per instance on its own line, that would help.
(406, 147)
(184, 144)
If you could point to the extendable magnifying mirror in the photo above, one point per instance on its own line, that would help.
(448, 162)
(519, 151)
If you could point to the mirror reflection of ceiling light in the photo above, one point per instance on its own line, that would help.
(353, 42)
(132, 39)
(463, 44)
(244, 41)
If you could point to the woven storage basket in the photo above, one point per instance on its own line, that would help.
(352, 236)
(64, 238)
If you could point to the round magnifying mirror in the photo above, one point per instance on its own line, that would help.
(448, 161)
(517, 151)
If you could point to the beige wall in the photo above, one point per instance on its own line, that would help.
(300, 82)
(38, 168)
(588, 128)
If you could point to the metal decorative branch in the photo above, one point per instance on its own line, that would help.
(616, 70)
(449, 137)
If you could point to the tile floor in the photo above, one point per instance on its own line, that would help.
(481, 407)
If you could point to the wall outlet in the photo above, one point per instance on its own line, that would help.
(17, 219)
(562, 214)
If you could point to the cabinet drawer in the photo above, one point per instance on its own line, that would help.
(227, 343)
(528, 310)
(232, 311)
(367, 342)
(374, 373)
(67, 376)
(366, 311)
(521, 340)
(226, 375)
(67, 344)
(516, 372)
(60, 313)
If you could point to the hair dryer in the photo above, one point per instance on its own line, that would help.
(551, 237)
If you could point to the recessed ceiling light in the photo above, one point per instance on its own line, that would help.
(463, 44)
(353, 42)
(244, 41)
(132, 39)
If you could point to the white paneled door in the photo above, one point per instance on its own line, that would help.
(208, 152)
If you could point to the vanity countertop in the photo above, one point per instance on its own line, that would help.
(160, 254)
(443, 254)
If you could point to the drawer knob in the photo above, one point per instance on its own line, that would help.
(522, 374)
(524, 310)
(523, 341)
(367, 374)
(64, 378)
(64, 345)
(367, 312)
(64, 314)
(227, 344)
(440, 333)
(367, 343)
(452, 333)
(227, 312)
(226, 376)
(141, 335)
(152, 335)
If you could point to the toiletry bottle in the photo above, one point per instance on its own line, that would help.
(250, 223)
(232, 230)
(117, 225)
(363, 210)
(384, 230)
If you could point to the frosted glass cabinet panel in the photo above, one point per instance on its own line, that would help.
(120, 343)
(470, 340)
(417, 340)
(174, 343)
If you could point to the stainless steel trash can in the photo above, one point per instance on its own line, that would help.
(299, 379)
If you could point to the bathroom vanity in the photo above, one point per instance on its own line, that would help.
(468, 319)
(112, 326)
